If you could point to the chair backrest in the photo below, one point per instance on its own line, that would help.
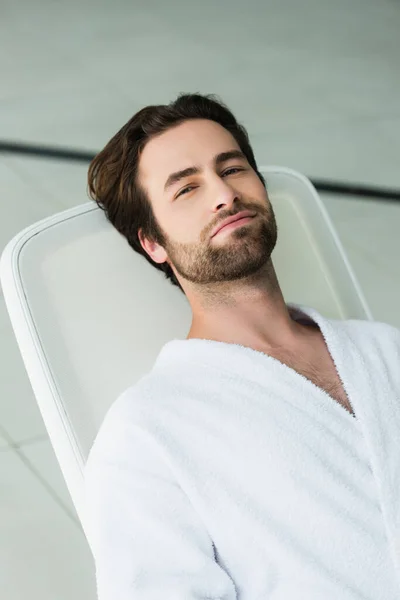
(90, 315)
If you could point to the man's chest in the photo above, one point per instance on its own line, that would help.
(317, 366)
(327, 378)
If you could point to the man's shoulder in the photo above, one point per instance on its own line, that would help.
(375, 338)
(373, 327)
(125, 414)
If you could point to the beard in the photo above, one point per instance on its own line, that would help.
(231, 255)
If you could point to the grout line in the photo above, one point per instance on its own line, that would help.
(25, 442)
(47, 486)
(18, 449)
(6, 436)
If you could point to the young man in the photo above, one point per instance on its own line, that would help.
(237, 468)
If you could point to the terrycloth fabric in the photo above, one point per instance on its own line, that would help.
(224, 474)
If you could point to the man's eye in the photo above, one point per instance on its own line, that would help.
(191, 186)
(232, 169)
(184, 190)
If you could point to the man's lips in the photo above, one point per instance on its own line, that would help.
(239, 216)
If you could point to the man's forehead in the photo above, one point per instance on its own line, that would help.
(192, 143)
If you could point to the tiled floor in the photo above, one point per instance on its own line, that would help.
(43, 552)
(315, 83)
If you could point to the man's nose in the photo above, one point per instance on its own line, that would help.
(224, 193)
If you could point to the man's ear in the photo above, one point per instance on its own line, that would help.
(154, 250)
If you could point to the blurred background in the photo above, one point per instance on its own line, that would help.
(316, 83)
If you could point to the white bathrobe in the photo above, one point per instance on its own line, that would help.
(224, 474)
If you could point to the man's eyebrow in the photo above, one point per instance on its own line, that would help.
(218, 159)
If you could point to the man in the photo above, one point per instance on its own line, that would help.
(237, 468)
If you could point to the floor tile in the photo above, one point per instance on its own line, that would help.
(63, 181)
(354, 151)
(22, 203)
(43, 553)
(40, 456)
(19, 413)
(3, 443)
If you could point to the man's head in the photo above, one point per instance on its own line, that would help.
(169, 219)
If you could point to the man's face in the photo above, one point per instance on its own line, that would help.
(190, 208)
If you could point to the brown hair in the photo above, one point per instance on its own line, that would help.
(112, 175)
